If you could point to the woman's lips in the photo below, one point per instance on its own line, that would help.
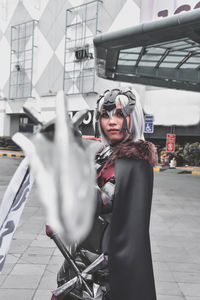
(113, 130)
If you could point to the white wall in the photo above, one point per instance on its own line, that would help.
(173, 107)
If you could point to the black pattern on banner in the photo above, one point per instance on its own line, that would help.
(8, 227)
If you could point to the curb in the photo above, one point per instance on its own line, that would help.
(157, 169)
(196, 172)
(189, 172)
(11, 155)
(160, 169)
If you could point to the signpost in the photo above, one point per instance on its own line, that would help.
(170, 142)
(148, 127)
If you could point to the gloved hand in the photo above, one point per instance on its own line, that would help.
(105, 198)
(65, 174)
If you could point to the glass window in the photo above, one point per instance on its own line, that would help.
(21, 60)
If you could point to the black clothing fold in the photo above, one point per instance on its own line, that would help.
(130, 262)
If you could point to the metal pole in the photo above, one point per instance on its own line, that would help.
(68, 257)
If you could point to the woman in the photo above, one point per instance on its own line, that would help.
(125, 182)
(125, 175)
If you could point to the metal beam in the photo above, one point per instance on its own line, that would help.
(162, 58)
(157, 82)
(189, 75)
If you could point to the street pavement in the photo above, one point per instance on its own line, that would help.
(175, 235)
(33, 260)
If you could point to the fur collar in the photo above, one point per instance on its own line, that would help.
(138, 150)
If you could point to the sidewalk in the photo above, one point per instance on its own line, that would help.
(33, 261)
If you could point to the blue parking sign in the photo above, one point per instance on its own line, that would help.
(148, 126)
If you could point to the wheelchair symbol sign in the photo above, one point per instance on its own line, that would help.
(148, 127)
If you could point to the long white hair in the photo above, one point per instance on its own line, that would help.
(136, 118)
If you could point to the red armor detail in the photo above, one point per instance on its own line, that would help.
(107, 172)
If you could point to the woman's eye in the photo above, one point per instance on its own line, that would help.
(119, 114)
(104, 115)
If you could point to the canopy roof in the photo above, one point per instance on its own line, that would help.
(164, 53)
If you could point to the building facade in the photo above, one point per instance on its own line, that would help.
(46, 46)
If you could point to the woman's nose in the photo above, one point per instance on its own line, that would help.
(112, 120)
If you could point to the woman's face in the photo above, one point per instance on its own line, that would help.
(112, 127)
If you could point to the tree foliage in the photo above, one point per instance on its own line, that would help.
(191, 154)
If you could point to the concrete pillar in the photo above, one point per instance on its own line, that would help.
(4, 119)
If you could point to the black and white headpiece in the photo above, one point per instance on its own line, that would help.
(109, 104)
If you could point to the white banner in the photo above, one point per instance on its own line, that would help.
(154, 9)
(12, 206)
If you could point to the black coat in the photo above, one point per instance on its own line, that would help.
(130, 261)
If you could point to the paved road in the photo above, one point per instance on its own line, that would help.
(30, 269)
(175, 230)
(33, 261)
